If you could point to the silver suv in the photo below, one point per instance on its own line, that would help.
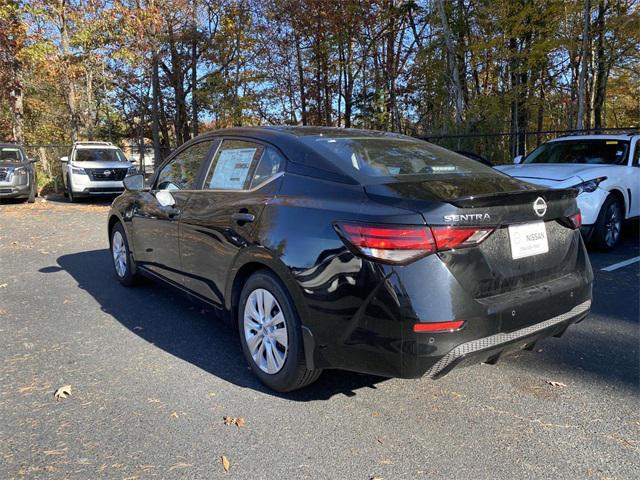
(95, 168)
(17, 175)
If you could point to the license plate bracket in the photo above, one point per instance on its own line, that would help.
(528, 239)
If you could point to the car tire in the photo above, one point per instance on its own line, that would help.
(608, 227)
(123, 265)
(32, 194)
(72, 198)
(278, 366)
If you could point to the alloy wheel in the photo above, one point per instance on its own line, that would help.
(613, 224)
(119, 251)
(265, 331)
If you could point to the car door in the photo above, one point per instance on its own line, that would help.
(157, 213)
(219, 220)
(634, 181)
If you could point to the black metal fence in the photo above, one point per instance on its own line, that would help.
(498, 148)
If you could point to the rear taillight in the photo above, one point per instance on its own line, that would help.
(459, 237)
(404, 243)
(389, 243)
(576, 220)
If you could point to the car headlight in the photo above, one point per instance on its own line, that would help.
(78, 171)
(20, 171)
(589, 186)
(132, 171)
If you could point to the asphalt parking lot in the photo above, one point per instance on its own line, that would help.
(152, 376)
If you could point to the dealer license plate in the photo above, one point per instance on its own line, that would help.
(528, 239)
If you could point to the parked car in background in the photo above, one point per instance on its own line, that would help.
(354, 249)
(17, 173)
(94, 168)
(604, 169)
(475, 156)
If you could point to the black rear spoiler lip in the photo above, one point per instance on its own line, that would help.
(492, 199)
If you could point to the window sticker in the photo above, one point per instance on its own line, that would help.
(232, 169)
(612, 142)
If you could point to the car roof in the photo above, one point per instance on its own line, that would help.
(283, 131)
(594, 137)
(95, 146)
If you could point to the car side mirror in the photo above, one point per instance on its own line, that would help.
(64, 159)
(33, 160)
(134, 183)
(165, 198)
(517, 160)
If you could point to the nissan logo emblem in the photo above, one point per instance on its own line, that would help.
(109, 172)
(540, 206)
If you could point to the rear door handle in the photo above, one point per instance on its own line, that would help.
(243, 217)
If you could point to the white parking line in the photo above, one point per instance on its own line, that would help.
(618, 265)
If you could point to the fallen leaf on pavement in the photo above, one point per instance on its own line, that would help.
(62, 392)
(556, 384)
(225, 463)
(237, 421)
(4, 285)
(174, 414)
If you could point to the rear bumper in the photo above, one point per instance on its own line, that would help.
(367, 325)
(490, 349)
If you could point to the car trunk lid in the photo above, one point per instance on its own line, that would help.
(489, 268)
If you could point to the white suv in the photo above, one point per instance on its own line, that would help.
(605, 169)
(94, 168)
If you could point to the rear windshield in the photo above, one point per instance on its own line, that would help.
(10, 155)
(592, 152)
(99, 155)
(378, 160)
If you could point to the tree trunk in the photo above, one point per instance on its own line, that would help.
(303, 95)
(91, 111)
(601, 69)
(194, 70)
(155, 114)
(454, 73)
(67, 77)
(582, 79)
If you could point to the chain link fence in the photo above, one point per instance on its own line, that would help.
(498, 148)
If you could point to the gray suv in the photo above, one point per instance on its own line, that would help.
(17, 175)
(94, 168)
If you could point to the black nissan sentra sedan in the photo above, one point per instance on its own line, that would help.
(354, 249)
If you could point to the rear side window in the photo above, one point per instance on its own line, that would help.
(269, 165)
(374, 159)
(181, 173)
(241, 165)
